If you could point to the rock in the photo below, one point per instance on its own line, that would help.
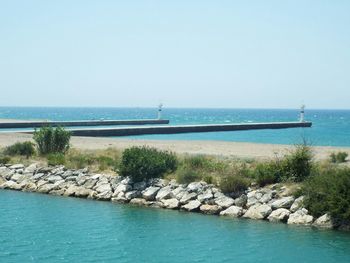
(83, 192)
(122, 188)
(120, 198)
(300, 217)
(252, 201)
(159, 182)
(140, 186)
(138, 201)
(46, 188)
(232, 211)
(187, 197)
(104, 196)
(6, 173)
(224, 201)
(258, 211)
(164, 193)
(40, 183)
(284, 202)
(297, 204)
(102, 188)
(18, 177)
(150, 193)
(241, 201)
(132, 194)
(90, 183)
(81, 179)
(286, 191)
(57, 192)
(279, 215)
(324, 221)
(206, 196)
(11, 185)
(266, 197)
(31, 168)
(172, 203)
(179, 192)
(16, 166)
(38, 176)
(2, 180)
(28, 186)
(155, 204)
(192, 205)
(210, 209)
(67, 173)
(54, 179)
(195, 187)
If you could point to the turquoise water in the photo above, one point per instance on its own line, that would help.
(41, 228)
(330, 127)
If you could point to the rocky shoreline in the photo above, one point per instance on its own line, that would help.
(273, 203)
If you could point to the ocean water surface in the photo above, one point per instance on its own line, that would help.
(330, 127)
(42, 228)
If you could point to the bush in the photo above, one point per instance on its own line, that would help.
(297, 166)
(267, 173)
(142, 163)
(56, 159)
(4, 159)
(20, 148)
(186, 176)
(329, 192)
(233, 184)
(52, 140)
(339, 157)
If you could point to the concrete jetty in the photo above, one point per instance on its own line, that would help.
(37, 124)
(174, 129)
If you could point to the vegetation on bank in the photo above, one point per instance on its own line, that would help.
(51, 140)
(326, 186)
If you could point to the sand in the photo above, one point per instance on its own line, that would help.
(217, 148)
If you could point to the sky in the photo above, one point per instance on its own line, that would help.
(183, 53)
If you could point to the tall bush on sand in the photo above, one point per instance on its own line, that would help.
(52, 140)
(143, 163)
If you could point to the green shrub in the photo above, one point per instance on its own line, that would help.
(4, 159)
(52, 140)
(297, 165)
(20, 148)
(56, 159)
(79, 161)
(186, 176)
(329, 192)
(195, 162)
(142, 163)
(267, 173)
(339, 157)
(233, 183)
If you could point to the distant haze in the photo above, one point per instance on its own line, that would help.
(234, 54)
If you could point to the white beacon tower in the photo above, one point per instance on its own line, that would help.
(160, 106)
(302, 113)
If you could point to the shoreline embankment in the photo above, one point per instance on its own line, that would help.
(274, 203)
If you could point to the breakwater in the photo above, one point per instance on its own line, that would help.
(274, 203)
(176, 129)
(38, 124)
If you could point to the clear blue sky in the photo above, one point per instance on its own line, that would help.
(235, 54)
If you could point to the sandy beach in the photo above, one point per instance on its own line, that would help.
(217, 148)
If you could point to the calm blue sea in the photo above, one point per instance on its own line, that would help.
(41, 228)
(330, 127)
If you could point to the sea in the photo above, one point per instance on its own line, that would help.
(43, 228)
(330, 127)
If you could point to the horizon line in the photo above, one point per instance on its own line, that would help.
(164, 107)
